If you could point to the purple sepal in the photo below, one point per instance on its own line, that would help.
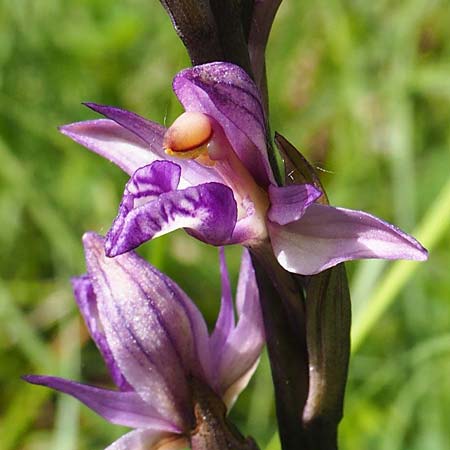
(154, 331)
(87, 303)
(208, 211)
(121, 408)
(225, 92)
(325, 236)
(125, 142)
(242, 347)
(225, 321)
(151, 132)
(288, 203)
(159, 341)
(110, 140)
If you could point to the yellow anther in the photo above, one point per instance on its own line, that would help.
(204, 159)
(189, 132)
(187, 154)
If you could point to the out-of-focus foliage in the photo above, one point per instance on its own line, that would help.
(362, 88)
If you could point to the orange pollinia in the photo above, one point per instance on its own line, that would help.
(188, 135)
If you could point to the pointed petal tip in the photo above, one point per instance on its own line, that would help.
(314, 191)
(70, 130)
(35, 379)
(91, 238)
(113, 247)
(93, 244)
(326, 236)
(66, 129)
(79, 131)
(28, 378)
(98, 108)
(111, 250)
(91, 105)
(421, 254)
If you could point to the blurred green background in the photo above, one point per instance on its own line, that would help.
(362, 88)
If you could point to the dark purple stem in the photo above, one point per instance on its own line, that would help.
(212, 430)
(284, 322)
(213, 30)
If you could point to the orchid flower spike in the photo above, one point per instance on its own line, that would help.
(156, 346)
(209, 173)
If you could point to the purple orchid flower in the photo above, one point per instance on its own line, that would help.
(156, 346)
(209, 173)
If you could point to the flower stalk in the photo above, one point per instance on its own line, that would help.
(328, 318)
(213, 431)
(283, 315)
(327, 324)
(213, 30)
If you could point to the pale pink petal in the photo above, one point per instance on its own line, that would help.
(156, 334)
(244, 344)
(288, 203)
(149, 132)
(149, 440)
(110, 140)
(87, 304)
(326, 236)
(120, 408)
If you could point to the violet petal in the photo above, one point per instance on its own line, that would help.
(128, 150)
(145, 186)
(225, 320)
(156, 334)
(151, 132)
(225, 92)
(87, 303)
(232, 393)
(149, 182)
(120, 408)
(326, 236)
(244, 344)
(111, 141)
(149, 440)
(288, 203)
(207, 211)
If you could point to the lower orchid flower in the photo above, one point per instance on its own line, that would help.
(156, 346)
(209, 173)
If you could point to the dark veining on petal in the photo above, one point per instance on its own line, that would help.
(169, 390)
(180, 405)
(228, 98)
(175, 292)
(154, 309)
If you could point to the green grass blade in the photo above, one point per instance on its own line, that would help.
(432, 229)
